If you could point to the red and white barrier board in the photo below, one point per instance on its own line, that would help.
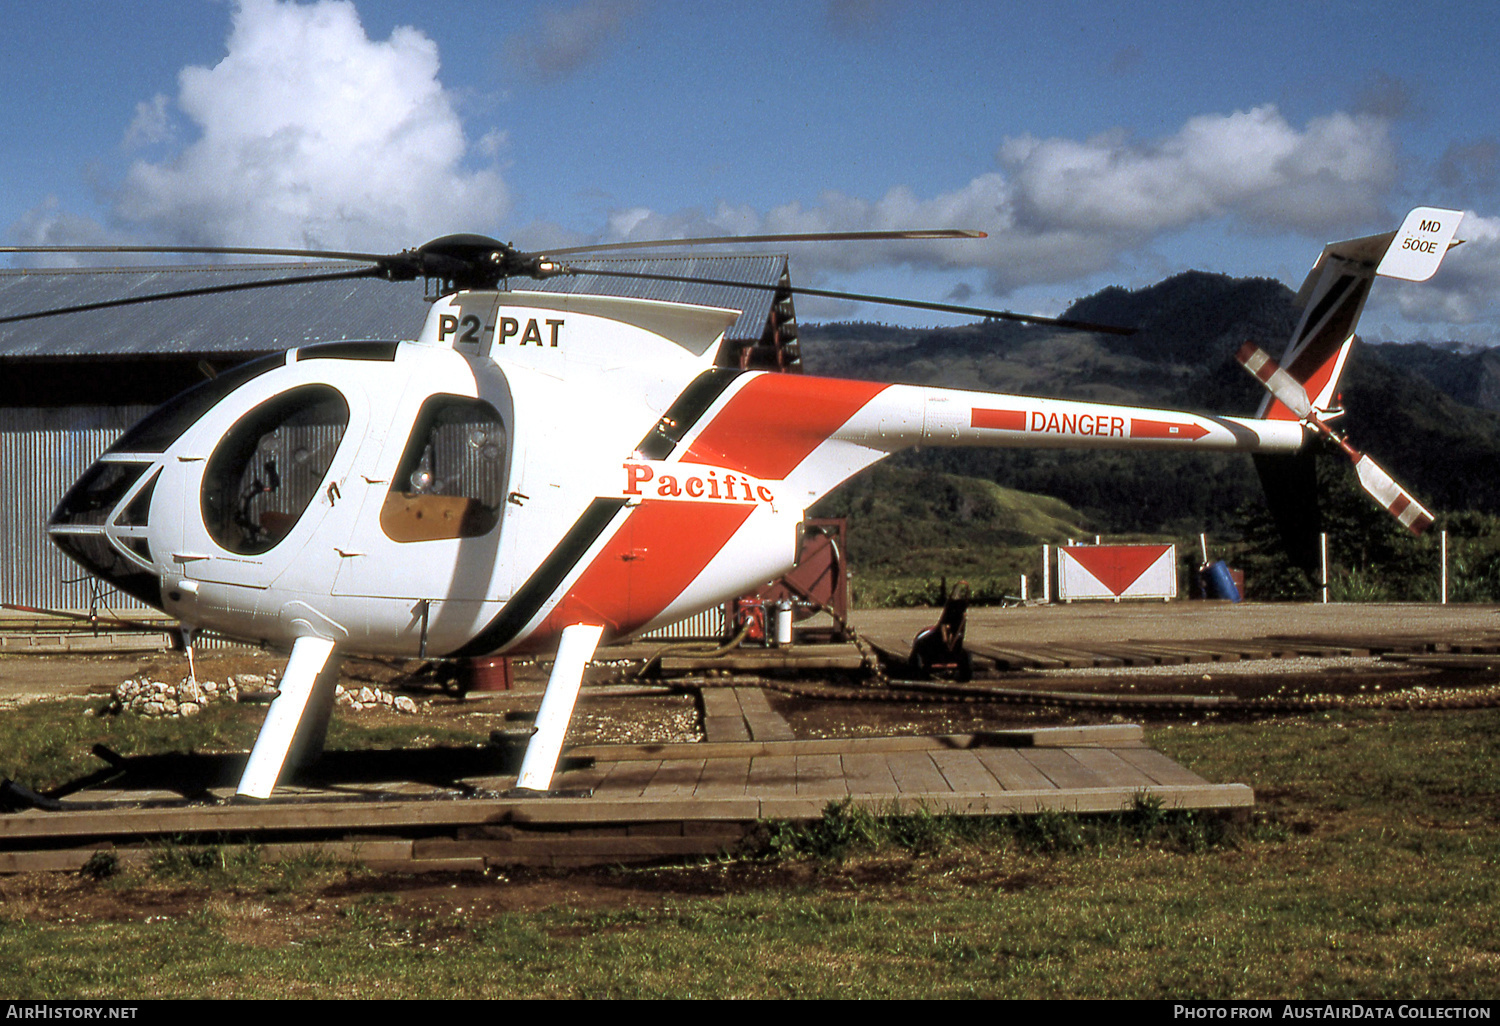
(1116, 572)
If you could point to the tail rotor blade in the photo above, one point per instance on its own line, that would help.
(1280, 384)
(1400, 503)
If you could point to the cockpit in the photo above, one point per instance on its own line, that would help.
(241, 476)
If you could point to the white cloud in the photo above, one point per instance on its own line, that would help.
(310, 133)
(48, 224)
(152, 123)
(1251, 165)
(1059, 210)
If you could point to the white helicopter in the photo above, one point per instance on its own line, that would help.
(542, 472)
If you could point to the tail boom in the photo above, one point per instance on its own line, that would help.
(905, 415)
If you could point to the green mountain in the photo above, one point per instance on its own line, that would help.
(1469, 375)
(909, 528)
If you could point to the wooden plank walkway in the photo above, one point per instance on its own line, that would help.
(634, 802)
(741, 714)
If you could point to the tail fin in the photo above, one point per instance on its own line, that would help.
(1304, 385)
(1334, 294)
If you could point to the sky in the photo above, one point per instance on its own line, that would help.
(1098, 143)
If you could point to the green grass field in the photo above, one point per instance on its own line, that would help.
(1369, 871)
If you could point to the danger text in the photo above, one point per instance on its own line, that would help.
(1077, 424)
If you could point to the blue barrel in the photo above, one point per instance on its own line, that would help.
(1219, 584)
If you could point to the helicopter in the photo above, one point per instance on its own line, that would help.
(539, 472)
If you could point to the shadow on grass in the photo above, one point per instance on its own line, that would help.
(193, 776)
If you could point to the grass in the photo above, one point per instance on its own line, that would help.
(1369, 871)
(47, 744)
(847, 830)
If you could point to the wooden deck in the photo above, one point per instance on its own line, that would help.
(617, 803)
(1080, 769)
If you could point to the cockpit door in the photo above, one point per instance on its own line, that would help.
(428, 526)
(260, 479)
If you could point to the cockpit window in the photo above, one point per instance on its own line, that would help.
(90, 501)
(269, 465)
(451, 479)
(136, 513)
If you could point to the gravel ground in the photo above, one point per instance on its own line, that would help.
(1187, 621)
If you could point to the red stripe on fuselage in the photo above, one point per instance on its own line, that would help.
(773, 423)
(998, 420)
(657, 552)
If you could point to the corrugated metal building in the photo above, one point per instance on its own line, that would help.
(71, 384)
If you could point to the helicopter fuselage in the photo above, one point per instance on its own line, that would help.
(530, 461)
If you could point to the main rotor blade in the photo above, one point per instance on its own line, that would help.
(302, 279)
(319, 254)
(933, 233)
(856, 297)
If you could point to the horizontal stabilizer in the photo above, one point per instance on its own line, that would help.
(1333, 297)
(1420, 244)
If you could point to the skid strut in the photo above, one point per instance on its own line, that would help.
(298, 717)
(573, 654)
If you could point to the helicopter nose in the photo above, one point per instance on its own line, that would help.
(103, 524)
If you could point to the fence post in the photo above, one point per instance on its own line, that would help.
(1445, 567)
(1323, 545)
(1047, 574)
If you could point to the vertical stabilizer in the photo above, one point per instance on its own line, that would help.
(1334, 294)
(1303, 386)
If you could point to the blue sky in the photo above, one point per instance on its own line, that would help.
(1098, 143)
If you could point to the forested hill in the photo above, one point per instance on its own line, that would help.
(1472, 376)
(1425, 412)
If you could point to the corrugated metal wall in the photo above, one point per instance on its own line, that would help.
(708, 625)
(42, 452)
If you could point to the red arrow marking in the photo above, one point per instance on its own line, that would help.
(1166, 429)
(1000, 420)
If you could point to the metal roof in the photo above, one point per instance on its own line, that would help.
(265, 320)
